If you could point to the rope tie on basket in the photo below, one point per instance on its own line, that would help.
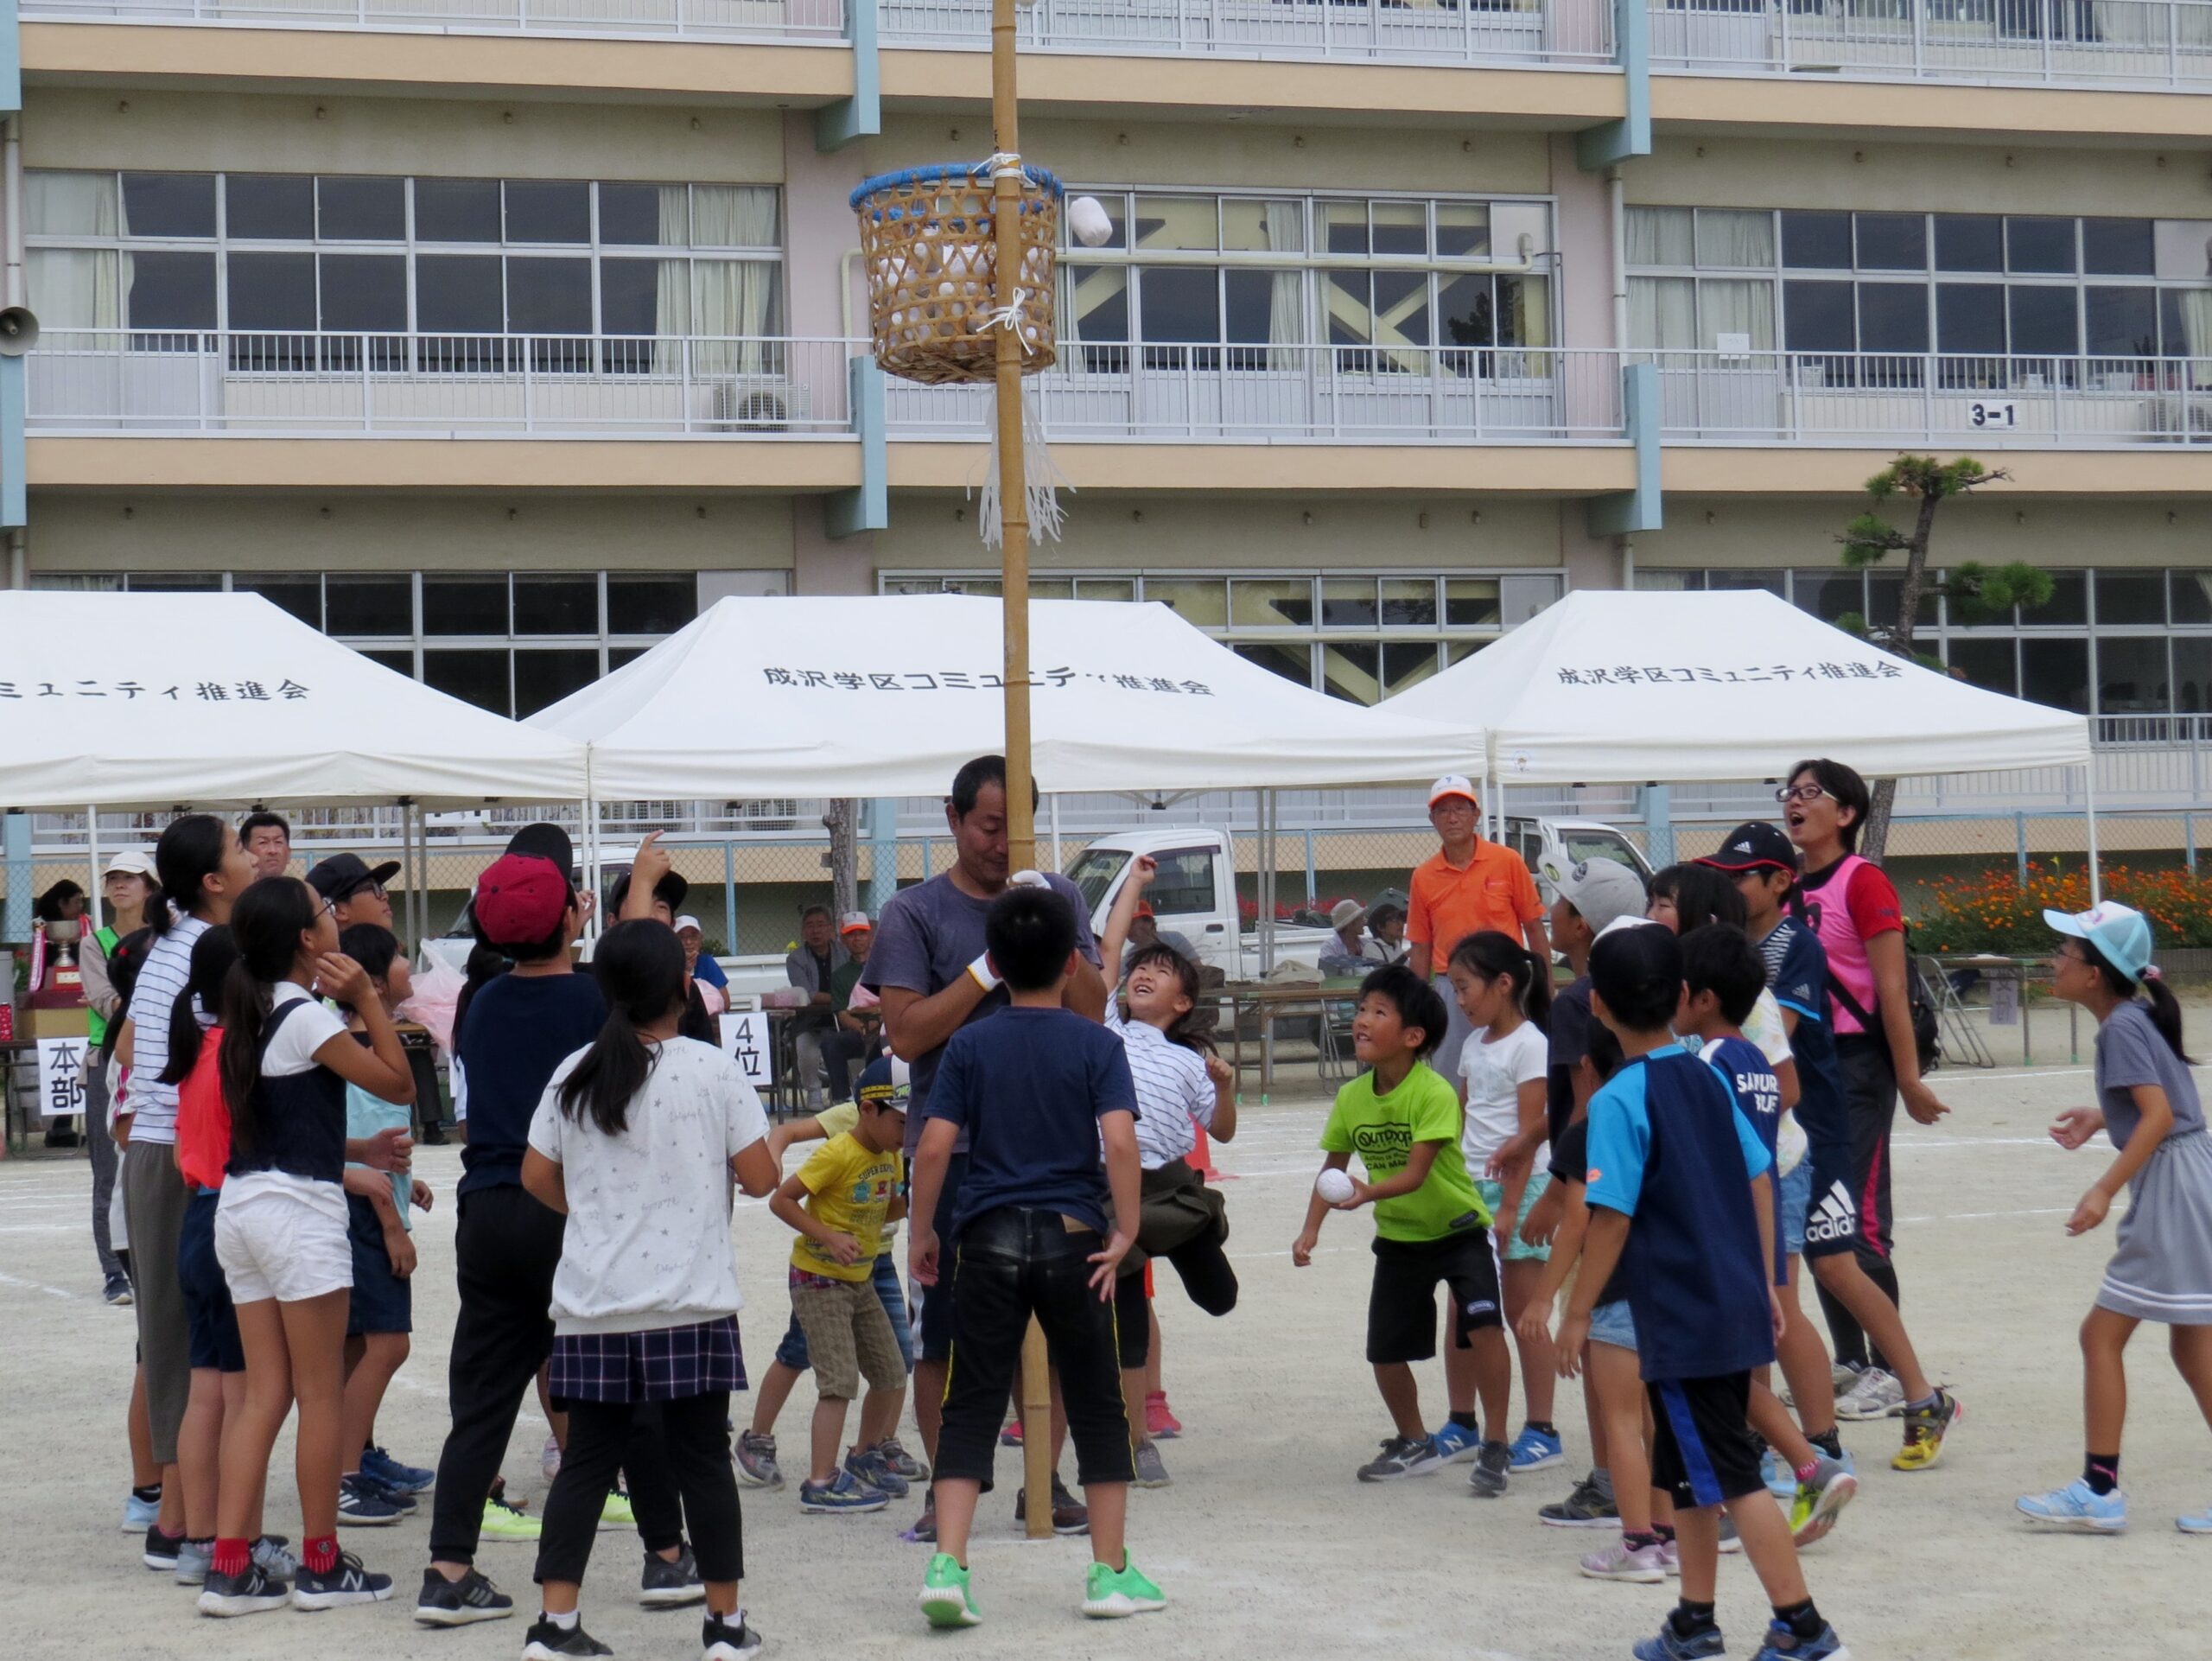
(1007, 316)
(999, 163)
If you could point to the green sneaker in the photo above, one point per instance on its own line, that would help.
(1110, 1593)
(505, 1522)
(945, 1601)
(616, 1513)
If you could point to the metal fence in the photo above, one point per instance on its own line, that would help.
(1520, 32)
(2095, 42)
(822, 20)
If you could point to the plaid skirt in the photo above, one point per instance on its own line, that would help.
(666, 1364)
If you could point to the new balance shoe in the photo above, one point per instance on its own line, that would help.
(160, 1550)
(193, 1559)
(545, 1641)
(277, 1563)
(1644, 1565)
(841, 1494)
(2076, 1509)
(1068, 1514)
(946, 1599)
(1402, 1456)
(1878, 1395)
(1112, 1593)
(1588, 1507)
(1667, 1644)
(116, 1293)
(666, 1585)
(250, 1592)
(756, 1460)
(400, 1478)
(2196, 1522)
(139, 1514)
(505, 1521)
(1454, 1443)
(1152, 1470)
(1159, 1422)
(896, 1460)
(1536, 1450)
(363, 1502)
(728, 1638)
(1782, 1644)
(344, 1582)
(463, 1602)
(1925, 1428)
(1815, 1506)
(616, 1513)
(1493, 1464)
(873, 1473)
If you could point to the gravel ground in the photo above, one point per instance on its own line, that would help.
(1265, 1543)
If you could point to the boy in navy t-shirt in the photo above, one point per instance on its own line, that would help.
(1036, 1090)
(1676, 1198)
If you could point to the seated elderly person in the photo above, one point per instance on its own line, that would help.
(1346, 957)
(1385, 934)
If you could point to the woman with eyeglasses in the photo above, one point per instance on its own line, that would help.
(1853, 907)
(2162, 1270)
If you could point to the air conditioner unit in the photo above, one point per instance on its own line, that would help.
(735, 407)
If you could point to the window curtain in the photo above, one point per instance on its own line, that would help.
(1286, 223)
(72, 205)
(1660, 236)
(74, 288)
(1662, 314)
(1728, 306)
(672, 289)
(735, 302)
(2196, 320)
(1730, 239)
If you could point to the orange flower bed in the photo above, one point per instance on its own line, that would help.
(1998, 913)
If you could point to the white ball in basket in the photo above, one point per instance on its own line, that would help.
(1335, 1187)
(1088, 223)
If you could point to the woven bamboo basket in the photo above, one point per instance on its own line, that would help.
(929, 236)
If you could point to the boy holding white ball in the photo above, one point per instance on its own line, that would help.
(1402, 1118)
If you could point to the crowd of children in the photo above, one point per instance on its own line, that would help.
(1621, 1180)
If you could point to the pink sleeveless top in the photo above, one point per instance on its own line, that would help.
(1847, 963)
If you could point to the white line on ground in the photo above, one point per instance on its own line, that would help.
(35, 1286)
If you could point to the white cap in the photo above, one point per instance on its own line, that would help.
(132, 861)
(1620, 923)
(682, 923)
(1452, 784)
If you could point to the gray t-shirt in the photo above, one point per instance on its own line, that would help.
(2131, 1052)
(924, 941)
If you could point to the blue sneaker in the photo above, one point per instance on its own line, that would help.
(139, 1514)
(363, 1502)
(845, 1493)
(1774, 1471)
(1782, 1644)
(400, 1478)
(1667, 1645)
(2196, 1522)
(1534, 1450)
(2076, 1509)
(1454, 1444)
(868, 1469)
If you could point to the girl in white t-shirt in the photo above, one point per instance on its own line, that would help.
(636, 1140)
(280, 1230)
(1505, 992)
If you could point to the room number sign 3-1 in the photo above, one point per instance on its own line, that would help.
(1990, 415)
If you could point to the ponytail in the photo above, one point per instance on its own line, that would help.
(213, 955)
(190, 851)
(639, 966)
(266, 924)
(2165, 1015)
(1490, 954)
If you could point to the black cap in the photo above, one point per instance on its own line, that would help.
(1638, 973)
(343, 876)
(1753, 847)
(670, 891)
(544, 840)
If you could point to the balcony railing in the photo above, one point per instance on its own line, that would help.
(1883, 398)
(2061, 42)
(822, 20)
(435, 386)
(1262, 394)
(1526, 33)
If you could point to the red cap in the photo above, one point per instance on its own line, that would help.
(1144, 907)
(520, 898)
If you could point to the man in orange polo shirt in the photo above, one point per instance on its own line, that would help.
(1471, 886)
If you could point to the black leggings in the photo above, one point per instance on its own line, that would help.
(1207, 1276)
(1870, 1084)
(695, 1435)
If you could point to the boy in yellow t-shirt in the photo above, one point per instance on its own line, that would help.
(839, 1201)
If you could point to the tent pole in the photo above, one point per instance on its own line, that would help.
(92, 857)
(2089, 795)
(1052, 805)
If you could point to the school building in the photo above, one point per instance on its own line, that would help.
(496, 337)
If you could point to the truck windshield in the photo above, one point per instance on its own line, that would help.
(1094, 871)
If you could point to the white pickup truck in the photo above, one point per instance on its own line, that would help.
(1195, 893)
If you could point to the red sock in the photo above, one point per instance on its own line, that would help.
(231, 1558)
(321, 1557)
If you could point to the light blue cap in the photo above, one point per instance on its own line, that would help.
(2121, 934)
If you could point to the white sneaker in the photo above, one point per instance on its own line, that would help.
(1878, 1395)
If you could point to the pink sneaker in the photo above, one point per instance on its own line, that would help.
(1161, 1424)
(1645, 1565)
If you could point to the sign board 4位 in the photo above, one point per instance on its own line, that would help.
(746, 1040)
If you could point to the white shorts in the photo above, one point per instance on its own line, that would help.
(282, 1237)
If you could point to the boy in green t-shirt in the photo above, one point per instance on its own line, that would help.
(1403, 1119)
(839, 1201)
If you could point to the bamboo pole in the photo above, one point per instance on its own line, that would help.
(1014, 512)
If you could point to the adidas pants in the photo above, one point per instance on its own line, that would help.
(1870, 1088)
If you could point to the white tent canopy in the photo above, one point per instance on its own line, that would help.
(887, 696)
(1612, 686)
(215, 700)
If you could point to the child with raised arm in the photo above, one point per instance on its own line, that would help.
(1677, 1199)
(1037, 1088)
(2162, 1270)
(1431, 1226)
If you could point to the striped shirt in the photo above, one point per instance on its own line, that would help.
(165, 973)
(1172, 1089)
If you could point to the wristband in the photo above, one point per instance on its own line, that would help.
(1028, 880)
(979, 972)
